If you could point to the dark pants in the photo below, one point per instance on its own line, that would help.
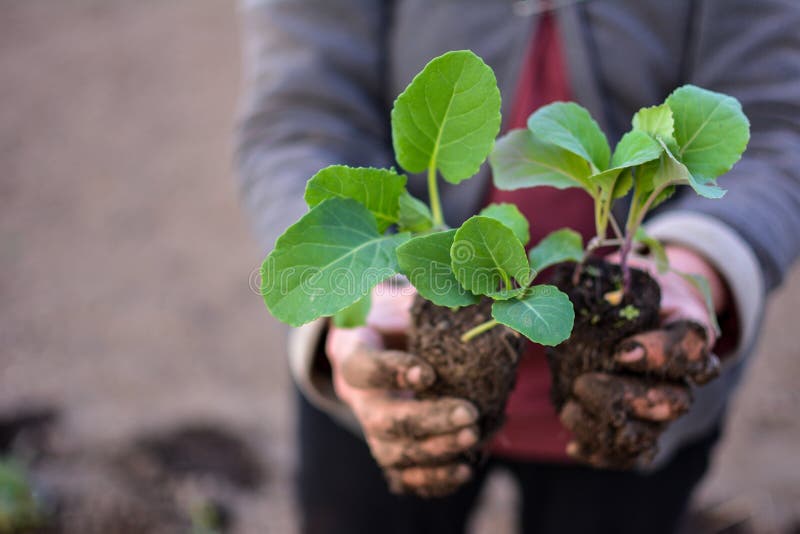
(342, 491)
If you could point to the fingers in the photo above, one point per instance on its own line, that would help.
(616, 398)
(407, 418)
(390, 312)
(433, 450)
(368, 368)
(603, 445)
(428, 481)
(678, 351)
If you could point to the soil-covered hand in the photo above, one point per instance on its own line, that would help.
(617, 416)
(417, 442)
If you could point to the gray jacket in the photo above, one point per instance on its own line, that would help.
(321, 76)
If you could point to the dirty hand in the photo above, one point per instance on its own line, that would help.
(630, 412)
(417, 442)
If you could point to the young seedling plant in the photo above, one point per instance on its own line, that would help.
(364, 227)
(692, 138)
(695, 136)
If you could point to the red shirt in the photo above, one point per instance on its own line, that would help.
(532, 429)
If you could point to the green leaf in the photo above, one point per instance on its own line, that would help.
(378, 190)
(415, 216)
(701, 284)
(634, 149)
(656, 249)
(448, 117)
(354, 315)
(710, 129)
(544, 315)
(656, 121)
(672, 169)
(623, 184)
(425, 260)
(326, 261)
(509, 215)
(486, 256)
(559, 246)
(521, 160)
(571, 127)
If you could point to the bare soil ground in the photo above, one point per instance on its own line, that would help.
(125, 262)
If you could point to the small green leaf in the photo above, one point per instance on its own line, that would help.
(634, 149)
(559, 246)
(326, 261)
(623, 184)
(521, 160)
(656, 249)
(425, 260)
(674, 169)
(415, 216)
(509, 215)
(629, 312)
(486, 256)
(701, 284)
(656, 121)
(378, 190)
(544, 315)
(354, 315)
(710, 129)
(571, 127)
(448, 117)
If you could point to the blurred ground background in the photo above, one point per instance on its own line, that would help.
(125, 262)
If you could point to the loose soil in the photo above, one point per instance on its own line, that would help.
(482, 371)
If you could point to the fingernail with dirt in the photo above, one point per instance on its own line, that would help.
(467, 437)
(631, 354)
(462, 415)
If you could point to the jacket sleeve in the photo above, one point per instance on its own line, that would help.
(751, 50)
(314, 73)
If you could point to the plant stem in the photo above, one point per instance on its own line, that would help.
(615, 226)
(433, 195)
(480, 329)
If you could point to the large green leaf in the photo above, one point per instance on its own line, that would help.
(425, 260)
(354, 315)
(559, 246)
(710, 129)
(448, 117)
(520, 159)
(571, 127)
(544, 315)
(509, 215)
(326, 261)
(656, 121)
(378, 190)
(415, 216)
(486, 256)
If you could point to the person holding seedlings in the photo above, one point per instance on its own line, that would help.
(323, 76)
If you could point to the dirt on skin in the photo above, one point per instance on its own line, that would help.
(600, 326)
(482, 370)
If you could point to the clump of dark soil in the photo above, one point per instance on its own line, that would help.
(599, 326)
(482, 370)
